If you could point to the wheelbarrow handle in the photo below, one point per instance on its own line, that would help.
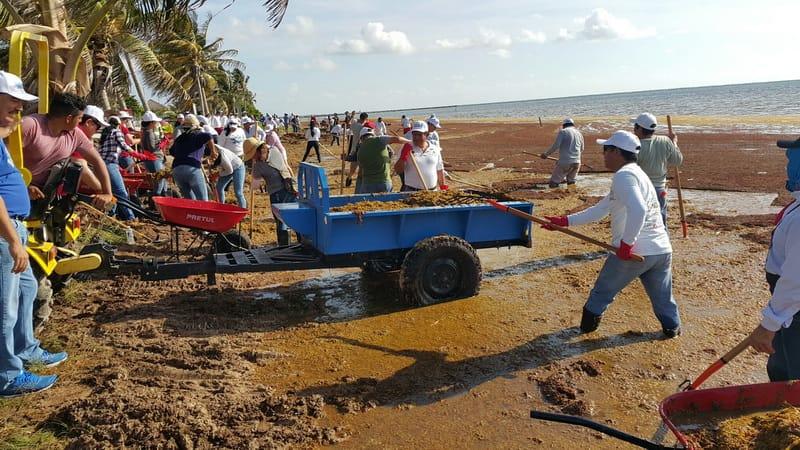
(586, 423)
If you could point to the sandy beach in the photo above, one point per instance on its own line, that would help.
(310, 359)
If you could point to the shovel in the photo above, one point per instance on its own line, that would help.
(718, 364)
(556, 159)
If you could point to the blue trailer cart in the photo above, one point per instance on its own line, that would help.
(433, 247)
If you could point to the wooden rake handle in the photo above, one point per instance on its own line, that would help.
(565, 230)
(719, 364)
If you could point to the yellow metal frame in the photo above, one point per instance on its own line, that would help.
(43, 253)
(16, 52)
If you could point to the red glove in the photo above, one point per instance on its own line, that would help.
(443, 187)
(561, 221)
(406, 150)
(625, 251)
(664, 194)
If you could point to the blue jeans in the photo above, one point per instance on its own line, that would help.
(17, 292)
(126, 162)
(238, 186)
(656, 275)
(191, 182)
(661, 193)
(373, 188)
(282, 196)
(118, 189)
(154, 166)
(784, 364)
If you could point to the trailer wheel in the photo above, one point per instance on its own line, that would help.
(231, 241)
(440, 268)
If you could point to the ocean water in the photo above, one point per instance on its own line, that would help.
(780, 98)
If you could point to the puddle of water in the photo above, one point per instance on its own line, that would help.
(346, 294)
(720, 203)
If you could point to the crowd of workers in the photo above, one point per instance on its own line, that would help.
(636, 201)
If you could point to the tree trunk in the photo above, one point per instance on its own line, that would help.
(201, 93)
(132, 73)
(54, 14)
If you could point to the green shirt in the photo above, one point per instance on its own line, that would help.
(374, 160)
(655, 157)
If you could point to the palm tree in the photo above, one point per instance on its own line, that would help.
(198, 64)
(57, 19)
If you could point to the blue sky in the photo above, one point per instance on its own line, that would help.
(376, 55)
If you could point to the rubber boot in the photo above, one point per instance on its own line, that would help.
(589, 321)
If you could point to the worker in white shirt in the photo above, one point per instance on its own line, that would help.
(336, 131)
(251, 129)
(427, 162)
(433, 135)
(313, 134)
(231, 171)
(381, 127)
(779, 331)
(636, 228)
(569, 145)
(405, 122)
(233, 137)
(216, 122)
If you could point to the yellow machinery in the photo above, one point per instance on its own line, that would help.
(49, 255)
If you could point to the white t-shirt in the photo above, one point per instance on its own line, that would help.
(635, 213)
(228, 161)
(257, 133)
(337, 129)
(234, 141)
(312, 134)
(381, 131)
(429, 162)
(406, 122)
(216, 121)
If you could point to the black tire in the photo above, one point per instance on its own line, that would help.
(438, 269)
(231, 241)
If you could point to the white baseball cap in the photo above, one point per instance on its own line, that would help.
(124, 115)
(568, 121)
(365, 131)
(96, 113)
(150, 116)
(623, 139)
(233, 122)
(419, 126)
(247, 120)
(179, 116)
(646, 121)
(434, 122)
(12, 85)
(269, 128)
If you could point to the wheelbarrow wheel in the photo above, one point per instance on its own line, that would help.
(231, 241)
(438, 269)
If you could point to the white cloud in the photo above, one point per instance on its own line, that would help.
(375, 39)
(501, 53)
(321, 63)
(602, 25)
(303, 26)
(293, 89)
(282, 66)
(564, 35)
(534, 37)
(486, 39)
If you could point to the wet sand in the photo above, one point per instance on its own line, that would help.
(308, 359)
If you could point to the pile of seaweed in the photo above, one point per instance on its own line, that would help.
(424, 199)
(763, 431)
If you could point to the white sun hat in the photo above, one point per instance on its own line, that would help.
(568, 121)
(365, 131)
(623, 139)
(150, 116)
(96, 113)
(11, 84)
(646, 121)
(419, 126)
(124, 115)
(434, 121)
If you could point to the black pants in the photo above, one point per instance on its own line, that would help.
(784, 364)
(335, 139)
(309, 146)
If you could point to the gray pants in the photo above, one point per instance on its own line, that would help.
(563, 172)
(784, 364)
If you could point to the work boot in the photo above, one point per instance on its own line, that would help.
(589, 321)
(670, 333)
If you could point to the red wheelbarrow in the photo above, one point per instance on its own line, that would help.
(695, 404)
(208, 220)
